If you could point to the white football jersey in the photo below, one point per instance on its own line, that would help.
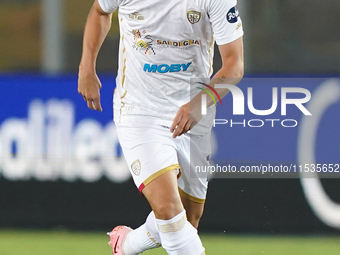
(163, 45)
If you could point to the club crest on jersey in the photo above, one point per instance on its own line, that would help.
(136, 167)
(193, 16)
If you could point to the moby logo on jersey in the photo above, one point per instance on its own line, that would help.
(164, 68)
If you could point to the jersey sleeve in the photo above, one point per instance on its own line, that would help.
(109, 6)
(225, 20)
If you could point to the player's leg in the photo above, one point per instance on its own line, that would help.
(147, 152)
(143, 159)
(162, 194)
(165, 203)
(147, 236)
(193, 209)
(193, 185)
(177, 234)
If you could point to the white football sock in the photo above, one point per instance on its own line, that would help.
(144, 238)
(179, 237)
(153, 232)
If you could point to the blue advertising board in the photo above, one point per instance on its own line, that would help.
(48, 134)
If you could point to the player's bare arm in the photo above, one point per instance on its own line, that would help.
(231, 72)
(97, 26)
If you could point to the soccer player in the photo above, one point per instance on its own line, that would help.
(157, 110)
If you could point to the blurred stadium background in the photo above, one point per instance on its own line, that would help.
(64, 184)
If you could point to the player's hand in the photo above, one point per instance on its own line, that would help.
(89, 86)
(186, 118)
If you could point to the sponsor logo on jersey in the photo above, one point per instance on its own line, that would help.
(165, 68)
(193, 16)
(142, 41)
(136, 167)
(136, 15)
(146, 43)
(232, 15)
(179, 43)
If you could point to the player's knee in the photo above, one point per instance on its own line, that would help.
(166, 211)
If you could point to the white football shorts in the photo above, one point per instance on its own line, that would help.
(150, 151)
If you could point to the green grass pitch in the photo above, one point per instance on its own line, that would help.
(14, 242)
